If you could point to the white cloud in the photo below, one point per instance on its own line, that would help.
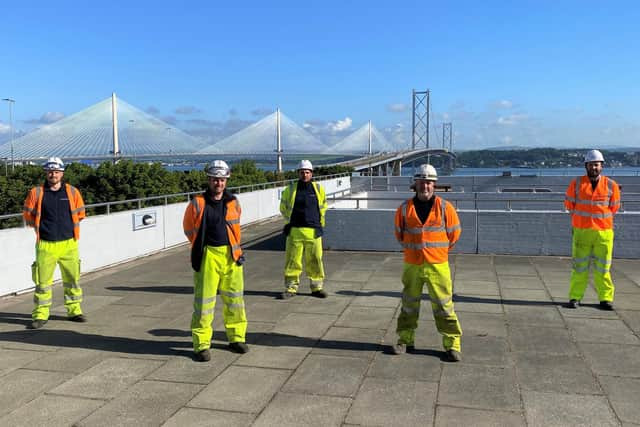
(47, 118)
(4, 128)
(340, 125)
(503, 103)
(512, 119)
(397, 108)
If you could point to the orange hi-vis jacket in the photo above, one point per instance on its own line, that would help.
(429, 242)
(193, 220)
(32, 210)
(592, 208)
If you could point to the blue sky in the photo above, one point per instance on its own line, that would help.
(543, 73)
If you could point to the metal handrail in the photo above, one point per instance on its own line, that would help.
(239, 189)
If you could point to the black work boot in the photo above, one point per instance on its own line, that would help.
(453, 356)
(606, 305)
(320, 293)
(574, 303)
(37, 323)
(80, 318)
(203, 355)
(239, 347)
(286, 295)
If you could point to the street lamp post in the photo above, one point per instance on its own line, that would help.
(11, 102)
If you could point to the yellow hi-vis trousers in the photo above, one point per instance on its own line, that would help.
(597, 246)
(302, 240)
(48, 255)
(437, 277)
(218, 274)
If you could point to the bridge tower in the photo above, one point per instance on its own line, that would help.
(114, 123)
(447, 136)
(420, 119)
(278, 142)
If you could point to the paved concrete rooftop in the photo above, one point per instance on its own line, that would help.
(528, 361)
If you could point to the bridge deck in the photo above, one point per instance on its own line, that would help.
(527, 359)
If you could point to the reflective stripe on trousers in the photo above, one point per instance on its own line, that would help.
(595, 247)
(437, 277)
(302, 241)
(48, 255)
(218, 273)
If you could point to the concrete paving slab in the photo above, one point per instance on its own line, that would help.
(24, 385)
(555, 373)
(613, 359)
(518, 268)
(305, 324)
(68, 360)
(108, 378)
(353, 342)
(384, 402)
(241, 389)
(469, 274)
(476, 287)
(447, 416)
(194, 417)
(520, 282)
(541, 340)
(602, 331)
(627, 301)
(460, 384)
(347, 275)
(10, 360)
(533, 315)
(631, 319)
(185, 370)
(49, 410)
(283, 357)
(422, 366)
(537, 297)
(147, 403)
(365, 317)
(482, 324)
(561, 409)
(477, 303)
(328, 376)
(485, 350)
(333, 305)
(294, 410)
(623, 394)
(364, 299)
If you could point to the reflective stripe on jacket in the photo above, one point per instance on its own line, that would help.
(32, 210)
(288, 198)
(193, 220)
(592, 208)
(429, 242)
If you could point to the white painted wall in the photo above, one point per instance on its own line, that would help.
(110, 239)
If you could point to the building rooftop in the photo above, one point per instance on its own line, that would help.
(527, 360)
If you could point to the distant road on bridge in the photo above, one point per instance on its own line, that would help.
(395, 159)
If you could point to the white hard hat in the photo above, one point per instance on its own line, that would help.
(305, 164)
(426, 172)
(218, 169)
(53, 164)
(593, 156)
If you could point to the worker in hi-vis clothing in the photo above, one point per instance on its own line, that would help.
(303, 205)
(427, 227)
(212, 225)
(592, 200)
(55, 210)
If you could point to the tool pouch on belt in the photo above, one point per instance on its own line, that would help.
(287, 229)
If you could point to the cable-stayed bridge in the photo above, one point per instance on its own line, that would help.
(390, 163)
(114, 129)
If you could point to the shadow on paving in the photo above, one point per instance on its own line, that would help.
(72, 339)
(188, 290)
(273, 243)
(274, 339)
(459, 298)
(24, 319)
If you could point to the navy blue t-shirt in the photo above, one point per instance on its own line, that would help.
(56, 223)
(306, 212)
